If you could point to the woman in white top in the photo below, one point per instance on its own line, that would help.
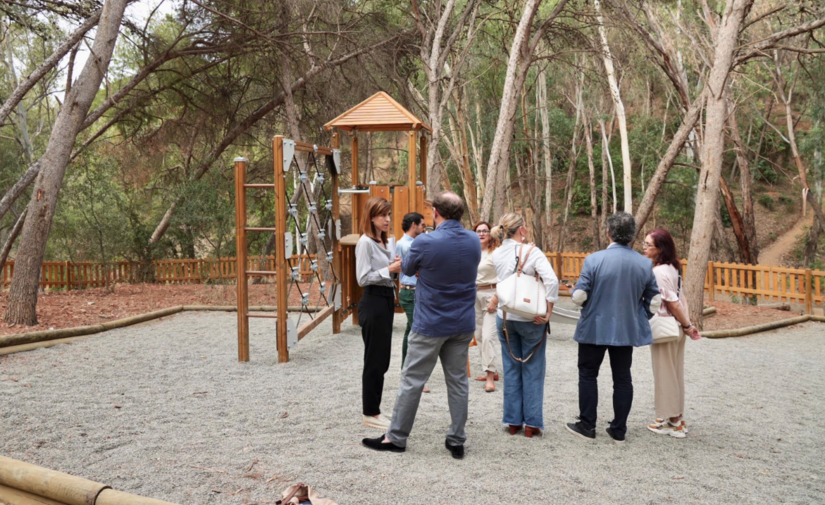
(523, 380)
(668, 358)
(373, 266)
(486, 332)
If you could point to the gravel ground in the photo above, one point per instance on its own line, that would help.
(163, 409)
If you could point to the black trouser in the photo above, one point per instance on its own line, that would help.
(375, 313)
(590, 360)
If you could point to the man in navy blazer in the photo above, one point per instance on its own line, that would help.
(615, 289)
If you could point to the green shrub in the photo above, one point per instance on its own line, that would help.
(766, 201)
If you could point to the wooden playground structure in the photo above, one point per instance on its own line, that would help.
(307, 207)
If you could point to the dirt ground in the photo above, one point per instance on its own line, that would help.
(62, 309)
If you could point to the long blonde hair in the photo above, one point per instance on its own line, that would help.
(508, 225)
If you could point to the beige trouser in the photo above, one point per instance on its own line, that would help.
(669, 377)
(486, 333)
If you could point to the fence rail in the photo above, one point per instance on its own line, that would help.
(758, 282)
(69, 275)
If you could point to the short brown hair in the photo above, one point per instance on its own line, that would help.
(449, 205)
(375, 206)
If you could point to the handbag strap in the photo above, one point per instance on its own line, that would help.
(507, 340)
(522, 257)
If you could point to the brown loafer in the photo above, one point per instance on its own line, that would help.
(529, 431)
(515, 428)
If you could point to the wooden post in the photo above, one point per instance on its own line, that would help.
(356, 211)
(336, 247)
(68, 276)
(240, 259)
(710, 280)
(422, 158)
(809, 293)
(282, 280)
(411, 170)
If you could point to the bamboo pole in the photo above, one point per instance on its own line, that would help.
(241, 257)
(113, 497)
(39, 481)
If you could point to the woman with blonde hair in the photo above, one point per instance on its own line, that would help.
(523, 341)
(485, 306)
(668, 358)
(373, 268)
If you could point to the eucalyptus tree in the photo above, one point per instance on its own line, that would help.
(529, 31)
(22, 299)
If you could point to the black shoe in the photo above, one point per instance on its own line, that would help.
(578, 428)
(377, 444)
(456, 450)
(619, 439)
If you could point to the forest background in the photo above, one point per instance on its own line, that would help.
(704, 117)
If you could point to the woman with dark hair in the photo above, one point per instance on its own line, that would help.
(373, 268)
(669, 357)
(486, 332)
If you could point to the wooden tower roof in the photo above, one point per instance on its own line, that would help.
(377, 113)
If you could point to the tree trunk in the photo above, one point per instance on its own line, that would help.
(571, 169)
(812, 241)
(737, 223)
(459, 132)
(615, 94)
(658, 179)
(588, 138)
(707, 194)
(22, 300)
(742, 161)
(521, 52)
(13, 234)
(541, 103)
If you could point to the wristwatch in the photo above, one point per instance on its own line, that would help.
(687, 327)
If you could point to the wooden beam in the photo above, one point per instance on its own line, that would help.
(411, 178)
(281, 202)
(240, 258)
(319, 318)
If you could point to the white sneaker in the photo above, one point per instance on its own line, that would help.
(658, 423)
(666, 428)
(380, 421)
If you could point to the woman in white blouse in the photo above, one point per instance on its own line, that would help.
(373, 268)
(525, 338)
(486, 333)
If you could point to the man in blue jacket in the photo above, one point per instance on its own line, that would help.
(446, 261)
(615, 289)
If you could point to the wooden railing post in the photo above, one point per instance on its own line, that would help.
(809, 292)
(709, 279)
(68, 276)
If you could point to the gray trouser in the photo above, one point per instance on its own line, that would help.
(422, 354)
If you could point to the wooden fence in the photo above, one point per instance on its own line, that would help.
(757, 282)
(69, 275)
